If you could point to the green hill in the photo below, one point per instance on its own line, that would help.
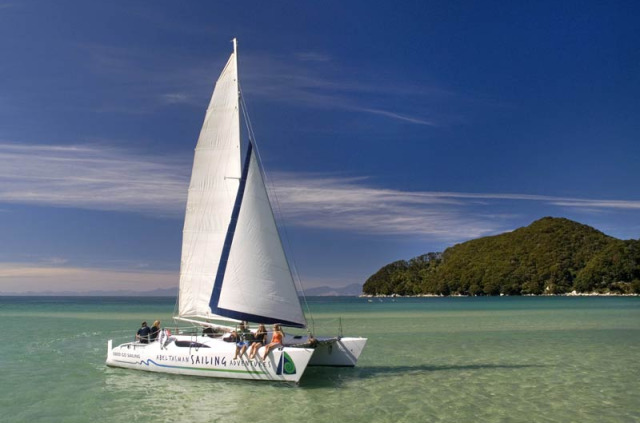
(550, 256)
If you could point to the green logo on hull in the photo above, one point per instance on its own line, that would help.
(286, 365)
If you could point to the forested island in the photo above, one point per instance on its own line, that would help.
(550, 256)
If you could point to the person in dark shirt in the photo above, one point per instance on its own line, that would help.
(243, 339)
(143, 334)
(259, 339)
(155, 330)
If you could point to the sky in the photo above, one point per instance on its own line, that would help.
(387, 129)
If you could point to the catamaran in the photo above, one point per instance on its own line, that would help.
(233, 267)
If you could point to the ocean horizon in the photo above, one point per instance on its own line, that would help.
(450, 359)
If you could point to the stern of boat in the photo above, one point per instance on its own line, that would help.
(109, 352)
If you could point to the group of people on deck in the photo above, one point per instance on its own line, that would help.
(148, 334)
(245, 339)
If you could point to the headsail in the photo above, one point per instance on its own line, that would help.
(256, 283)
(233, 263)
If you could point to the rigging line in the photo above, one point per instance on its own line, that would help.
(292, 263)
(176, 306)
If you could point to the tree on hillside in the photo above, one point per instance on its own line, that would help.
(550, 256)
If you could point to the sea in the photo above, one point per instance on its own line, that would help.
(468, 359)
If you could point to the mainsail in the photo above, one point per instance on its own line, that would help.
(233, 263)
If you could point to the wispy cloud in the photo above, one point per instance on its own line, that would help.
(313, 56)
(316, 81)
(92, 177)
(400, 117)
(103, 178)
(596, 204)
(176, 98)
(140, 82)
(353, 206)
(350, 204)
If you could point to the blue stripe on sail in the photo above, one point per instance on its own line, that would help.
(226, 248)
(224, 259)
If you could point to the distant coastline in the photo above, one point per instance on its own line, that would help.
(569, 294)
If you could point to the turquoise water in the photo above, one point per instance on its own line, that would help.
(531, 359)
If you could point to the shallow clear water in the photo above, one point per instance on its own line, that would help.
(531, 359)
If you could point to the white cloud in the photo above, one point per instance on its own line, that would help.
(350, 205)
(92, 177)
(353, 206)
(313, 56)
(176, 98)
(141, 81)
(398, 116)
(596, 204)
(317, 82)
(144, 81)
(102, 178)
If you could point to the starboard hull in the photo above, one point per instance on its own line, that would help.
(341, 352)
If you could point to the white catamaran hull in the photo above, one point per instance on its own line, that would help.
(203, 356)
(210, 358)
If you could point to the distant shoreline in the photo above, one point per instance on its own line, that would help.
(570, 294)
(150, 295)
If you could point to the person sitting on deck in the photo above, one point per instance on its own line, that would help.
(259, 339)
(276, 341)
(165, 338)
(242, 339)
(155, 330)
(142, 335)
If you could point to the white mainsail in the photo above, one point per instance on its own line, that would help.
(212, 193)
(233, 263)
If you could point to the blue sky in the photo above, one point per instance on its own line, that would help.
(388, 129)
